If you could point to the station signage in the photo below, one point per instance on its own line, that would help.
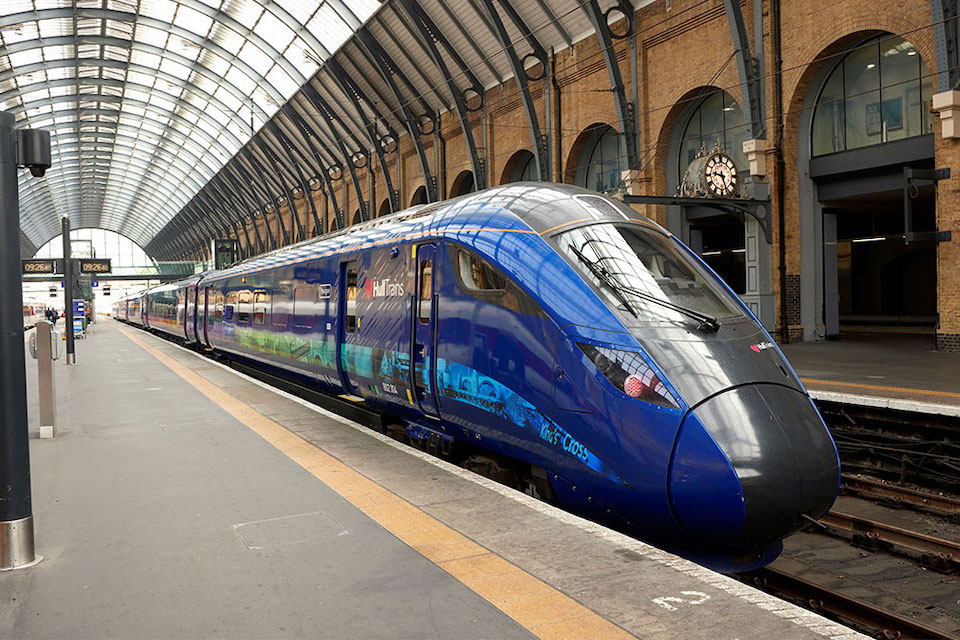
(35, 267)
(89, 265)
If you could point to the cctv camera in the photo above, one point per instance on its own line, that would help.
(33, 150)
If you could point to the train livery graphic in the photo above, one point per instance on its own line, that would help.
(551, 327)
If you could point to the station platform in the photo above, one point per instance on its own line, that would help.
(181, 499)
(890, 371)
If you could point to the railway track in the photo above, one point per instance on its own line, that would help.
(840, 605)
(898, 497)
(935, 553)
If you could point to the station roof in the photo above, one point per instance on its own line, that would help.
(148, 101)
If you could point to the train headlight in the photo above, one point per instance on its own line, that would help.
(633, 386)
(629, 373)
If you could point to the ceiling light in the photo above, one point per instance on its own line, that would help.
(912, 52)
(876, 239)
(871, 66)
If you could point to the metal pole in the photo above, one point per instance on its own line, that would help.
(16, 510)
(68, 278)
(44, 338)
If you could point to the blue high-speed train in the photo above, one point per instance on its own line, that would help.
(551, 326)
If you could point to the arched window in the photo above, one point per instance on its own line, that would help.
(99, 243)
(463, 184)
(604, 164)
(419, 196)
(718, 118)
(522, 167)
(879, 92)
(384, 208)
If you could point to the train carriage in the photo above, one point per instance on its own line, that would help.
(558, 328)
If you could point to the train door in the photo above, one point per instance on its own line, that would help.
(347, 325)
(206, 316)
(423, 335)
(189, 312)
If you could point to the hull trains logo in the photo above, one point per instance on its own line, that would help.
(762, 346)
(384, 288)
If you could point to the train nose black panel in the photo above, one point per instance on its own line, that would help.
(782, 452)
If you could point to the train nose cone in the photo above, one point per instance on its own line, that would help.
(751, 463)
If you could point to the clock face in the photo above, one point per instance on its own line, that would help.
(721, 175)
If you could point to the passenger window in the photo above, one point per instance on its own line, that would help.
(259, 307)
(230, 307)
(426, 290)
(477, 275)
(303, 306)
(278, 308)
(243, 307)
(218, 306)
(351, 311)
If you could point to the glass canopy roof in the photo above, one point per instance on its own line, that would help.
(147, 99)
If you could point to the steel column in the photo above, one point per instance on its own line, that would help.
(946, 43)
(629, 149)
(429, 37)
(747, 68)
(541, 144)
(16, 507)
(388, 69)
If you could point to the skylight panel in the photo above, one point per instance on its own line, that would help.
(193, 21)
(246, 12)
(21, 58)
(271, 29)
(19, 33)
(329, 28)
(282, 82)
(150, 35)
(253, 56)
(55, 27)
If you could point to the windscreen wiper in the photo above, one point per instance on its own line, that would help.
(604, 277)
(708, 323)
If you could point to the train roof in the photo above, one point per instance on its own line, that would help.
(538, 206)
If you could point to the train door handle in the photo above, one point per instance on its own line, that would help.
(418, 352)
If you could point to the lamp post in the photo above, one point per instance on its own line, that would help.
(30, 148)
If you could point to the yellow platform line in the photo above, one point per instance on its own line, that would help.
(876, 387)
(535, 605)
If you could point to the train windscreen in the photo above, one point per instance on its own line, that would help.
(645, 273)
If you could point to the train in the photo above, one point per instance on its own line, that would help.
(549, 326)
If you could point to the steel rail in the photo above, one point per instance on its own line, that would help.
(902, 496)
(826, 600)
(933, 552)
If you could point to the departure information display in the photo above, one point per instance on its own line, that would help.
(95, 266)
(30, 267)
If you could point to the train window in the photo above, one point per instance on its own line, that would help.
(243, 307)
(479, 279)
(304, 299)
(478, 275)
(259, 307)
(230, 306)
(351, 290)
(278, 308)
(426, 290)
(645, 273)
(218, 306)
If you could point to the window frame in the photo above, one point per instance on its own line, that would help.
(259, 302)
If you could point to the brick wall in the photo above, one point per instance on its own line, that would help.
(683, 48)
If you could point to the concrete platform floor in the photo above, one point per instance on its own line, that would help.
(181, 499)
(903, 369)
